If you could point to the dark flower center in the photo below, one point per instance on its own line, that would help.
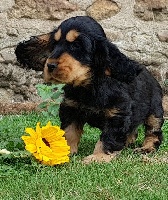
(46, 142)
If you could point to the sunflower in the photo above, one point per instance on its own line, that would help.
(47, 144)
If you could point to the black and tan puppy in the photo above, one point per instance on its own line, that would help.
(103, 87)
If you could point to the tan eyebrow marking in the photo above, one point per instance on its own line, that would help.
(72, 35)
(57, 35)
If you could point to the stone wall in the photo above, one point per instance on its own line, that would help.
(139, 28)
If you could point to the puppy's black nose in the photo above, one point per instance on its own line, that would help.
(51, 66)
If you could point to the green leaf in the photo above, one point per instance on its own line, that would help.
(43, 105)
(52, 97)
(53, 109)
(55, 95)
(59, 100)
(45, 113)
(59, 87)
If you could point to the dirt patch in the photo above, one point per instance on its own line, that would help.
(17, 108)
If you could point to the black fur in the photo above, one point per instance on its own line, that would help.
(129, 87)
(34, 52)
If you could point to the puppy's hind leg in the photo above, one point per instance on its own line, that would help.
(153, 135)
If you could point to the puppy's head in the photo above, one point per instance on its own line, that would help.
(72, 57)
(75, 53)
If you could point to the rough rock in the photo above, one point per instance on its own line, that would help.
(82, 4)
(163, 35)
(102, 9)
(6, 4)
(138, 28)
(5, 95)
(8, 55)
(151, 9)
(19, 83)
(45, 9)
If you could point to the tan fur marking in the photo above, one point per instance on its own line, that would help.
(108, 72)
(154, 122)
(69, 70)
(131, 138)
(51, 60)
(71, 103)
(150, 141)
(111, 112)
(98, 148)
(73, 135)
(99, 155)
(72, 35)
(47, 76)
(57, 35)
(148, 144)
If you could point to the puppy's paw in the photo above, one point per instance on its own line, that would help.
(145, 149)
(101, 157)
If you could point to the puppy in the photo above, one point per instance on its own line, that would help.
(103, 87)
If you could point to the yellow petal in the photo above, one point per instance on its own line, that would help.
(59, 143)
(60, 161)
(38, 129)
(52, 132)
(56, 161)
(28, 140)
(49, 133)
(48, 124)
(45, 158)
(31, 132)
(31, 148)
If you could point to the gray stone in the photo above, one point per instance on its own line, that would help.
(163, 35)
(21, 81)
(1, 59)
(151, 9)
(102, 9)
(82, 4)
(5, 95)
(8, 55)
(138, 28)
(6, 4)
(36, 9)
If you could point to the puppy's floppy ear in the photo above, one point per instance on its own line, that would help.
(111, 61)
(33, 53)
(100, 57)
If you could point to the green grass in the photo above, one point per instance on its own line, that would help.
(128, 177)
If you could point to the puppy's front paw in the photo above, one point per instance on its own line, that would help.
(100, 157)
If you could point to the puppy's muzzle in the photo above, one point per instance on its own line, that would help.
(51, 66)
